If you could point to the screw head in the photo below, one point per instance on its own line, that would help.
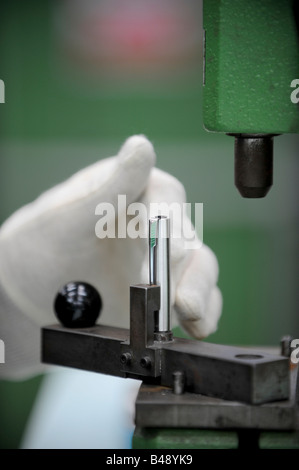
(145, 362)
(126, 358)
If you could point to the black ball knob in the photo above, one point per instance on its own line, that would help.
(78, 305)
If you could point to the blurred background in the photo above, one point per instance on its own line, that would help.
(82, 76)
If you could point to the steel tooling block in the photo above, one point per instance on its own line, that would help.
(227, 372)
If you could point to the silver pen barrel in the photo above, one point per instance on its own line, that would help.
(159, 232)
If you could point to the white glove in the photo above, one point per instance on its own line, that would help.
(52, 241)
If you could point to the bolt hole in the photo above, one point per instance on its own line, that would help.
(249, 356)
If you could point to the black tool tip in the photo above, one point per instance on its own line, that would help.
(253, 164)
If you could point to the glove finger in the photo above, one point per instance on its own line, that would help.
(126, 174)
(203, 326)
(54, 238)
(198, 301)
(163, 187)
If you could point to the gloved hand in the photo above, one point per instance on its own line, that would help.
(52, 241)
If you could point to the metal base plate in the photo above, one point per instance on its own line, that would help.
(159, 407)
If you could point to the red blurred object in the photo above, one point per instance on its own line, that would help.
(134, 37)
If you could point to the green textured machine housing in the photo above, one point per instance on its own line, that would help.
(251, 60)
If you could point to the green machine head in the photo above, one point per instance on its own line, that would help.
(251, 81)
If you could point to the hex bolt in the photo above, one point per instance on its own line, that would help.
(145, 362)
(285, 344)
(178, 382)
(126, 358)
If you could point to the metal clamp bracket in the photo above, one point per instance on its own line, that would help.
(226, 372)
